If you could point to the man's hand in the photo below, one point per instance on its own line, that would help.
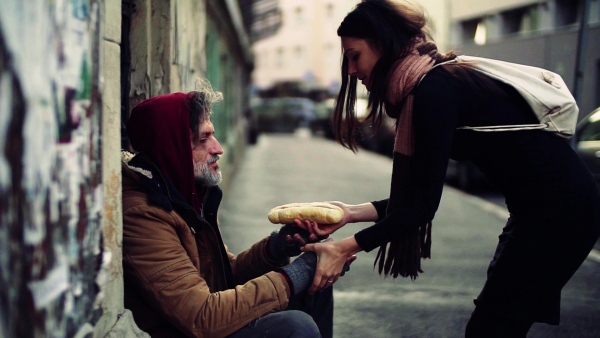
(287, 241)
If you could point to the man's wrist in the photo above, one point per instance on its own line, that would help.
(269, 256)
(272, 248)
(286, 277)
(289, 283)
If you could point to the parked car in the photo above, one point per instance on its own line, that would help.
(322, 125)
(378, 139)
(280, 115)
(370, 138)
(587, 143)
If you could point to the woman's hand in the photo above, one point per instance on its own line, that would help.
(324, 230)
(353, 213)
(332, 257)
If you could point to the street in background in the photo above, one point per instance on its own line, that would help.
(299, 167)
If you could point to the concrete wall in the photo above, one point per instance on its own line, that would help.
(169, 52)
(115, 321)
(52, 256)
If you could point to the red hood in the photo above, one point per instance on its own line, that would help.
(160, 128)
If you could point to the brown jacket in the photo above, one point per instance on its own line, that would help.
(180, 279)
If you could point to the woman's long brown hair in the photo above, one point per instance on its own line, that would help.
(389, 27)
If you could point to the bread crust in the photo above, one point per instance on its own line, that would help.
(320, 212)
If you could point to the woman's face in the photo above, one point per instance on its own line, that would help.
(361, 58)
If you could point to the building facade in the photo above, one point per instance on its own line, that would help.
(538, 33)
(306, 47)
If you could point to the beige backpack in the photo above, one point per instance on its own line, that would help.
(545, 91)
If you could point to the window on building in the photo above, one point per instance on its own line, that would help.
(299, 55)
(480, 37)
(520, 20)
(531, 19)
(329, 11)
(331, 54)
(511, 21)
(263, 59)
(299, 15)
(468, 29)
(279, 57)
(566, 12)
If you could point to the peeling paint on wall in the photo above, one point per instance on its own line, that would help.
(51, 257)
(189, 49)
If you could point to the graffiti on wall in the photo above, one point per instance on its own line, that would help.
(50, 179)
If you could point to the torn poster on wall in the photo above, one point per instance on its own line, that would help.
(52, 213)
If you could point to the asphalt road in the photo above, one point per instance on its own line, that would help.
(299, 168)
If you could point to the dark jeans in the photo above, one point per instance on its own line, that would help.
(537, 254)
(307, 316)
(486, 325)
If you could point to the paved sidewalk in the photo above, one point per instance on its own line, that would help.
(281, 169)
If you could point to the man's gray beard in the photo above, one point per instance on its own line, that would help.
(204, 176)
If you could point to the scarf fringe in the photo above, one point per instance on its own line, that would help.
(403, 258)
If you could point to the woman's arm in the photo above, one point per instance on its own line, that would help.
(437, 105)
(353, 213)
(333, 255)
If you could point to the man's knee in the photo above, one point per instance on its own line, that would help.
(297, 324)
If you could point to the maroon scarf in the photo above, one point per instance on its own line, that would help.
(404, 254)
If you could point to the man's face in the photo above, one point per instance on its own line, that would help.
(205, 154)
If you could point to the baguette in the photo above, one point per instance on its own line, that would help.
(320, 212)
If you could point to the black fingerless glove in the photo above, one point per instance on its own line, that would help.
(279, 248)
(301, 271)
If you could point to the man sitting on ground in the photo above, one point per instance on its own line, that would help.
(180, 278)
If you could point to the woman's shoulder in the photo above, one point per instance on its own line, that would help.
(438, 77)
(438, 83)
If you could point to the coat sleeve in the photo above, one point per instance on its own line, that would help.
(254, 262)
(155, 260)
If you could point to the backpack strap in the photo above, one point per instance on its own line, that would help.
(512, 127)
(439, 64)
